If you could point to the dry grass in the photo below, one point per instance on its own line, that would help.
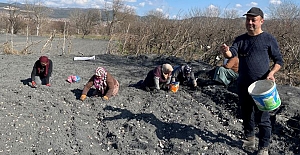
(7, 49)
(292, 79)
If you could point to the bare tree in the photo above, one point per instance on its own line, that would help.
(38, 14)
(208, 27)
(13, 18)
(230, 14)
(231, 25)
(85, 20)
(116, 12)
(212, 11)
(284, 24)
(14, 23)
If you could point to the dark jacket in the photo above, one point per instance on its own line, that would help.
(39, 70)
(156, 72)
(178, 75)
(254, 53)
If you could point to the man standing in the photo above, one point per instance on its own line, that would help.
(254, 50)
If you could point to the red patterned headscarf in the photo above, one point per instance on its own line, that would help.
(44, 59)
(100, 82)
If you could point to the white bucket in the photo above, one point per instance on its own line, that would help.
(265, 95)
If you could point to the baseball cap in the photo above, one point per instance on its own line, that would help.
(254, 11)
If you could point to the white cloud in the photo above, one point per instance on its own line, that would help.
(129, 7)
(275, 1)
(159, 10)
(149, 2)
(212, 7)
(81, 2)
(53, 4)
(142, 4)
(130, 0)
(238, 5)
(99, 1)
(253, 4)
(95, 6)
(65, 2)
(133, 7)
(167, 16)
(213, 11)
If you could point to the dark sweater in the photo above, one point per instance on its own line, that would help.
(178, 74)
(41, 74)
(254, 53)
(156, 72)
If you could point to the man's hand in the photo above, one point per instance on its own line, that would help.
(48, 84)
(224, 49)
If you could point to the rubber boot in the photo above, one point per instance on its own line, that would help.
(263, 151)
(249, 142)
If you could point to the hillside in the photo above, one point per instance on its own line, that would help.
(56, 13)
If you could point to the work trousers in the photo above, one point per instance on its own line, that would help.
(252, 116)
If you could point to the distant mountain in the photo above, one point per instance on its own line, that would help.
(56, 13)
(2, 5)
(61, 12)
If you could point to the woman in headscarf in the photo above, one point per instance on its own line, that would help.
(158, 78)
(184, 75)
(42, 71)
(106, 86)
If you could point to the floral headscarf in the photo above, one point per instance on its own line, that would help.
(100, 81)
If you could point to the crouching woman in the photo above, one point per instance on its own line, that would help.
(158, 78)
(106, 86)
(41, 72)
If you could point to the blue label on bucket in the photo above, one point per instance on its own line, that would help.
(268, 102)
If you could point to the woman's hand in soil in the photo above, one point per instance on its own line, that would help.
(82, 97)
